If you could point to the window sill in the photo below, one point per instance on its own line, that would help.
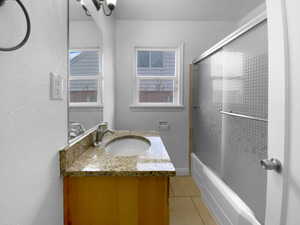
(145, 106)
(85, 106)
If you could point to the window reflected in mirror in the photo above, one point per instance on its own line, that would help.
(85, 78)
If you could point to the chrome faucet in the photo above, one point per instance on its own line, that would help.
(75, 129)
(101, 131)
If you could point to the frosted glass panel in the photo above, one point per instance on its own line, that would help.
(235, 79)
(207, 103)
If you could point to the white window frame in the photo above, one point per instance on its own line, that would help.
(98, 77)
(178, 79)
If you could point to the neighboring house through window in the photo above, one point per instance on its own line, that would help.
(158, 77)
(85, 77)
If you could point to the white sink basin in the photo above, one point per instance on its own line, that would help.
(128, 146)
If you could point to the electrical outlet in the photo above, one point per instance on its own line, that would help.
(163, 126)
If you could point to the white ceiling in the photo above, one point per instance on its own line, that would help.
(76, 11)
(174, 9)
(184, 9)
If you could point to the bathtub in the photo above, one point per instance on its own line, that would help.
(224, 204)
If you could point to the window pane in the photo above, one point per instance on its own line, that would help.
(163, 63)
(83, 91)
(157, 59)
(84, 63)
(143, 59)
(156, 91)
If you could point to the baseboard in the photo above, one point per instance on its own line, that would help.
(182, 171)
(224, 204)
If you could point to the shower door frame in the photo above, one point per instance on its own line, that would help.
(278, 126)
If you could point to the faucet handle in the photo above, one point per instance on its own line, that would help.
(103, 126)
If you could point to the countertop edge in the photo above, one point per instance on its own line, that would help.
(118, 173)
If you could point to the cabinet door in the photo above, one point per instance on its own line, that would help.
(113, 200)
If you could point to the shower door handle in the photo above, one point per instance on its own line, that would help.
(271, 164)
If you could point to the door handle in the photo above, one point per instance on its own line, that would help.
(271, 164)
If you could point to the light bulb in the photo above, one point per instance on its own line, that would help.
(81, 2)
(111, 4)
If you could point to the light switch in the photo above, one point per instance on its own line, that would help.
(56, 87)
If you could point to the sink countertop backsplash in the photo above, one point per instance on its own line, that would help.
(82, 159)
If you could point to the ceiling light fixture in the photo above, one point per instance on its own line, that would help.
(110, 4)
(84, 7)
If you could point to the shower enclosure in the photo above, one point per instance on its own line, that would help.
(230, 112)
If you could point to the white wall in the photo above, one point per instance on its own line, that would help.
(89, 117)
(84, 34)
(252, 14)
(197, 36)
(33, 127)
(293, 198)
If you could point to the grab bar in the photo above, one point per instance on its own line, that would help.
(244, 116)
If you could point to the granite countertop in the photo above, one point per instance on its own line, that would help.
(95, 161)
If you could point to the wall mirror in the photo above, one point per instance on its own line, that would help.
(85, 78)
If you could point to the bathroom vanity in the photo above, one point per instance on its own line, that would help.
(124, 181)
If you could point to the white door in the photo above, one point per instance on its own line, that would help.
(278, 120)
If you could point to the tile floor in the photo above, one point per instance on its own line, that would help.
(186, 205)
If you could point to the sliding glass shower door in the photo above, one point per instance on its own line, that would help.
(230, 115)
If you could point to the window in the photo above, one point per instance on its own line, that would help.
(85, 78)
(158, 77)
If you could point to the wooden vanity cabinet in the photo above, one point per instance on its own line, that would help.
(116, 200)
